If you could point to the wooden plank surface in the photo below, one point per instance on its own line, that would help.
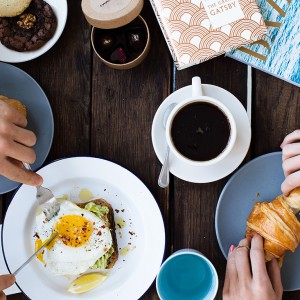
(275, 114)
(108, 113)
(194, 204)
(123, 106)
(64, 74)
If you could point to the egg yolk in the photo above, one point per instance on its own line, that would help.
(38, 245)
(74, 230)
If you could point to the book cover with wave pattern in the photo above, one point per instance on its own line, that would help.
(278, 53)
(198, 30)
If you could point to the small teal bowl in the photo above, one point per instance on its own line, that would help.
(187, 275)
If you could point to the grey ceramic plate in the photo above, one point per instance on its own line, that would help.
(258, 180)
(15, 83)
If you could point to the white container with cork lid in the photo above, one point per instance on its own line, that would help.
(120, 36)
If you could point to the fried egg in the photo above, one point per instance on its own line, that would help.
(82, 239)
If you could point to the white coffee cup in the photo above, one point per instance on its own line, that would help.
(198, 97)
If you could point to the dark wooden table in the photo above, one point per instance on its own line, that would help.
(108, 113)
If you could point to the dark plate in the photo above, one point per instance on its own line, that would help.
(15, 83)
(258, 180)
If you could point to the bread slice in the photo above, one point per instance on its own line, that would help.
(16, 104)
(110, 221)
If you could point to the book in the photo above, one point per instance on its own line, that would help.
(198, 30)
(278, 53)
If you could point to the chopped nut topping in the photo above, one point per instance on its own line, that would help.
(26, 21)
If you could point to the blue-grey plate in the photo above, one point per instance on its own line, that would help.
(258, 180)
(15, 83)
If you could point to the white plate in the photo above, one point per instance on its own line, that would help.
(133, 273)
(60, 8)
(206, 173)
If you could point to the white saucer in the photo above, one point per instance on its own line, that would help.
(206, 173)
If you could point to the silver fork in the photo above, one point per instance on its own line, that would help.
(45, 198)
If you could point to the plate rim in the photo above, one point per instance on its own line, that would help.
(25, 74)
(42, 52)
(163, 233)
(228, 183)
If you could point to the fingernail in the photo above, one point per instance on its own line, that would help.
(38, 180)
(231, 249)
(13, 278)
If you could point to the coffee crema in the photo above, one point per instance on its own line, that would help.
(200, 131)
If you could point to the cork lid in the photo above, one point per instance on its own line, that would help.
(107, 14)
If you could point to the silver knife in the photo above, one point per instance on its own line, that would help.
(34, 254)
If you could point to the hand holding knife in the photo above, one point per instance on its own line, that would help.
(34, 254)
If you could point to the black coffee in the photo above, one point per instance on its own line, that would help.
(200, 131)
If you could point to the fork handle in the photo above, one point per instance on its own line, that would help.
(27, 166)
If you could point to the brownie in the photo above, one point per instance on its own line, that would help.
(30, 30)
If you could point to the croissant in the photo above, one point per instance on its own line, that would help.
(276, 222)
(16, 104)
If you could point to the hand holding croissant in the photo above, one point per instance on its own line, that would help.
(277, 224)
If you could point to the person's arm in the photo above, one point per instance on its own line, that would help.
(291, 161)
(16, 144)
(247, 275)
(5, 282)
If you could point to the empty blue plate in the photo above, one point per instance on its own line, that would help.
(15, 83)
(258, 180)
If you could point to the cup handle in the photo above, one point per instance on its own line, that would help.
(196, 87)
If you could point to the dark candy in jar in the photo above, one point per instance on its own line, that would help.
(136, 38)
(106, 41)
(118, 56)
